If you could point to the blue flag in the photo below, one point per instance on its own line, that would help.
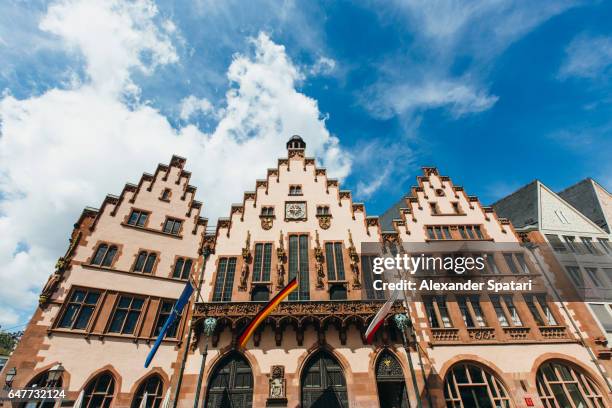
(176, 311)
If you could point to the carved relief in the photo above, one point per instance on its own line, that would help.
(318, 252)
(267, 222)
(246, 260)
(277, 383)
(60, 267)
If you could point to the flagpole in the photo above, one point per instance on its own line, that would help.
(402, 322)
(205, 253)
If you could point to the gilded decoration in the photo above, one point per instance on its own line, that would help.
(266, 221)
(324, 221)
(246, 260)
(319, 258)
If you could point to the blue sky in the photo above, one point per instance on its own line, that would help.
(495, 94)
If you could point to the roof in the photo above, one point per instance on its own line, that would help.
(520, 207)
(584, 197)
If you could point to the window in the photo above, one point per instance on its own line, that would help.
(138, 218)
(43, 380)
(439, 232)
(608, 273)
(334, 261)
(104, 255)
(603, 312)
(337, 292)
(225, 280)
(491, 265)
(506, 310)
(165, 308)
(570, 242)
(260, 293)
(556, 243)
(561, 385)
(182, 268)
(471, 311)
(434, 208)
(469, 385)
(538, 306)
(437, 312)
(561, 217)
(231, 383)
(367, 262)
(456, 207)
(79, 309)
(322, 210)
(588, 245)
(263, 262)
(267, 211)
(470, 232)
(145, 262)
(172, 226)
(592, 272)
(605, 245)
(166, 194)
(99, 392)
(575, 275)
(295, 190)
(298, 266)
(153, 388)
(125, 317)
(516, 262)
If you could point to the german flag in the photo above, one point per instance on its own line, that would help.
(263, 313)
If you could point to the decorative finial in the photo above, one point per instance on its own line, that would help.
(209, 326)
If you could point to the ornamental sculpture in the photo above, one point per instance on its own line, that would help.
(277, 383)
(55, 278)
(246, 260)
(281, 256)
(354, 257)
(319, 258)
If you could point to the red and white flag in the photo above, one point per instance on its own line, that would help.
(380, 316)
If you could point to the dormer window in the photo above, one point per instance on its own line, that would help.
(456, 208)
(267, 211)
(434, 208)
(322, 210)
(439, 192)
(295, 190)
(165, 196)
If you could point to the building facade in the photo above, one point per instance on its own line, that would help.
(128, 262)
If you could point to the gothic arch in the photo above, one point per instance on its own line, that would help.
(231, 379)
(323, 381)
(391, 384)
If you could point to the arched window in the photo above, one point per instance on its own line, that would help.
(104, 255)
(470, 385)
(153, 387)
(323, 383)
(390, 382)
(563, 385)
(99, 392)
(145, 262)
(42, 380)
(231, 383)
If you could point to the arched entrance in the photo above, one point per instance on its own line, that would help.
(153, 388)
(471, 385)
(231, 383)
(323, 383)
(561, 384)
(390, 382)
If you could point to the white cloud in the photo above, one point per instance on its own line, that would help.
(67, 148)
(323, 66)
(192, 105)
(587, 57)
(113, 37)
(460, 98)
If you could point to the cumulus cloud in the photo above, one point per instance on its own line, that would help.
(193, 105)
(67, 148)
(587, 57)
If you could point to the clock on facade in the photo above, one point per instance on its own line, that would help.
(295, 211)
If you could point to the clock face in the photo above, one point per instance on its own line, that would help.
(295, 211)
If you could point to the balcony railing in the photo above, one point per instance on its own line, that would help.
(553, 332)
(447, 334)
(481, 333)
(517, 333)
